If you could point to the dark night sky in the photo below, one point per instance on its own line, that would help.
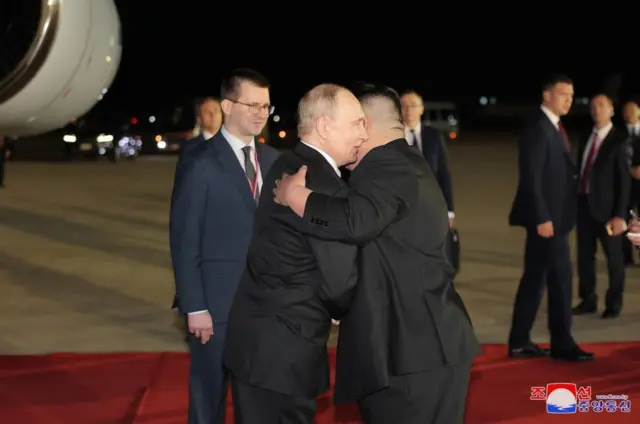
(179, 49)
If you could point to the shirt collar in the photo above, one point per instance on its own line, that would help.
(329, 159)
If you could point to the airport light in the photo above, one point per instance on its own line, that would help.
(104, 138)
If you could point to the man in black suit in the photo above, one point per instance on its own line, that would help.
(430, 142)
(406, 345)
(212, 211)
(545, 205)
(631, 115)
(603, 206)
(209, 117)
(280, 320)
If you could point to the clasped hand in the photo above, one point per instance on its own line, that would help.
(285, 183)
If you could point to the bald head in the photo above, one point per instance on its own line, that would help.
(318, 102)
(330, 118)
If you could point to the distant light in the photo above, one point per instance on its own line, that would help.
(276, 118)
(134, 121)
(484, 101)
(161, 145)
(262, 140)
(104, 138)
(282, 134)
(69, 138)
(453, 135)
(152, 119)
(158, 138)
(108, 58)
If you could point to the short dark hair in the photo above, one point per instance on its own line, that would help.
(231, 82)
(203, 100)
(605, 95)
(366, 91)
(550, 82)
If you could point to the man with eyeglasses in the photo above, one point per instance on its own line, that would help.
(406, 344)
(214, 201)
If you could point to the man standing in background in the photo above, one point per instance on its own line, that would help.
(209, 121)
(545, 205)
(631, 115)
(603, 207)
(212, 210)
(430, 142)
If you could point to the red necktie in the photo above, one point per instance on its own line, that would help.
(584, 181)
(565, 137)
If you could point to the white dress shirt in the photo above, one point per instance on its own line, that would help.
(555, 119)
(324, 154)
(601, 135)
(414, 135)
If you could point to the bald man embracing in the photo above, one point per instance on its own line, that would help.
(293, 285)
(406, 345)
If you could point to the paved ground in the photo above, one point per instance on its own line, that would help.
(84, 259)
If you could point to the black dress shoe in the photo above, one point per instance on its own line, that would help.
(529, 350)
(585, 308)
(610, 313)
(572, 354)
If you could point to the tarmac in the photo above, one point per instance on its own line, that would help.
(85, 266)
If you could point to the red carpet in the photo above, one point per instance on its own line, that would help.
(151, 388)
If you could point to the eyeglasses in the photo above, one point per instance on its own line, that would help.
(256, 108)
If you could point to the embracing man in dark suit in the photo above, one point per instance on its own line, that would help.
(545, 205)
(293, 285)
(603, 206)
(406, 344)
(216, 189)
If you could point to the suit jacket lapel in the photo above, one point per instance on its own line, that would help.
(555, 134)
(605, 148)
(228, 162)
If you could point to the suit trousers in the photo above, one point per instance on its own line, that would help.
(207, 379)
(436, 396)
(589, 232)
(255, 405)
(546, 260)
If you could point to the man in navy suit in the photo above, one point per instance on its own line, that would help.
(430, 142)
(209, 116)
(545, 205)
(214, 200)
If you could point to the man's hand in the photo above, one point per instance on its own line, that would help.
(634, 232)
(288, 183)
(616, 226)
(545, 229)
(201, 326)
(335, 322)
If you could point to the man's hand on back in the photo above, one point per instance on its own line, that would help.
(288, 187)
(200, 325)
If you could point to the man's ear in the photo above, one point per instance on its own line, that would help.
(226, 106)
